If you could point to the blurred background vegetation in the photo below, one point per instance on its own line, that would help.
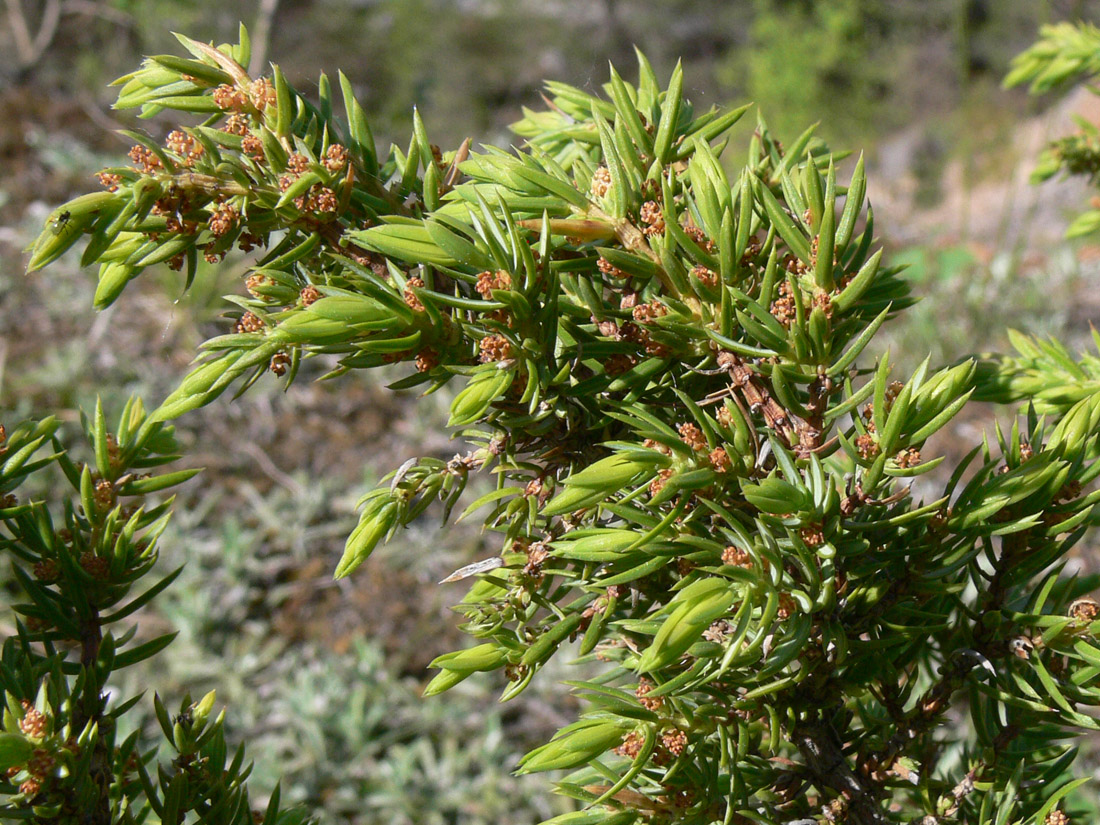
(323, 678)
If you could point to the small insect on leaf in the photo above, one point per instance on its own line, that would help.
(61, 221)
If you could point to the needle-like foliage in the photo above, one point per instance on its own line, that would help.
(703, 470)
(82, 562)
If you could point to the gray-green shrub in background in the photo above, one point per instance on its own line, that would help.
(701, 477)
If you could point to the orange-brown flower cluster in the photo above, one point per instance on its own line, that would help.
(318, 199)
(908, 458)
(172, 221)
(812, 535)
(674, 741)
(794, 265)
(1056, 817)
(692, 436)
(336, 158)
(736, 557)
(814, 245)
(280, 363)
(601, 182)
(751, 251)
(39, 766)
(212, 255)
(427, 360)
(655, 348)
(256, 282)
(185, 146)
(41, 763)
(297, 163)
(823, 302)
(608, 328)
(787, 606)
(113, 451)
(707, 277)
(309, 294)
(609, 269)
(783, 307)
(631, 746)
(98, 567)
(411, 299)
(631, 332)
(495, 348)
(104, 494)
(172, 207)
(700, 237)
(660, 481)
(250, 322)
(262, 93)
(46, 570)
(646, 313)
(145, 160)
(720, 460)
(642, 692)
(893, 389)
(34, 723)
(223, 219)
(488, 281)
(109, 180)
(651, 215)
(867, 446)
(238, 125)
(230, 98)
(253, 146)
